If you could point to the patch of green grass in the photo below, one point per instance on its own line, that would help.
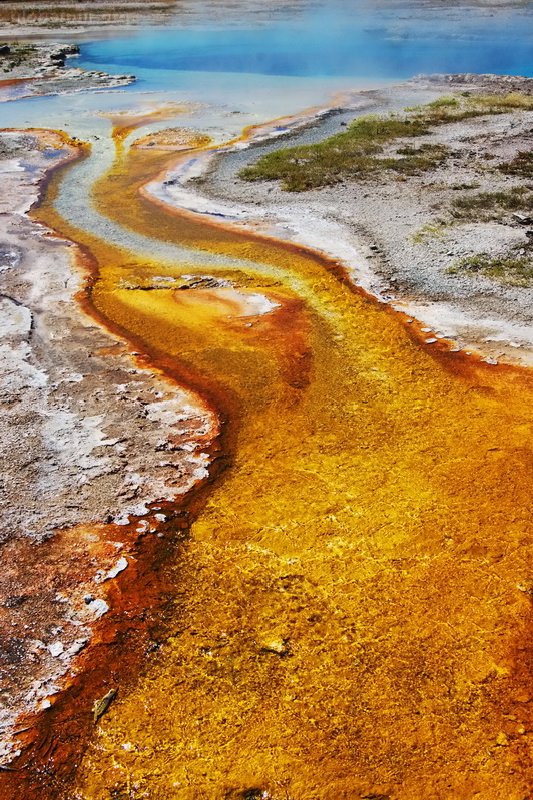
(355, 153)
(448, 101)
(505, 102)
(460, 107)
(487, 206)
(513, 270)
(522, 164)
(419, 159)
(431, 230)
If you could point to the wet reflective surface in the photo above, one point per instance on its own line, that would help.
(391, 39)
(350, 607)
(344, 611)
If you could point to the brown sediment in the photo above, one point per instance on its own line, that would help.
(173, 139)
(352, 602)
(52, 741)
(125, 186)
(45, 137)
(9, 83)
(126, 122)
(44, 582)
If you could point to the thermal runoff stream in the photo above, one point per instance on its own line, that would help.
(359, 549)
(342, 604)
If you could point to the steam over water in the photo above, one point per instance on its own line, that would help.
(337, 39)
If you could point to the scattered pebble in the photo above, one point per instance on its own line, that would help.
(278, 646)
(56, 648)
(121, 565)
(74, 648)
(99, 607)
(101, 706)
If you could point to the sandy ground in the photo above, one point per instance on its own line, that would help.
(90, 442)
(374, 226)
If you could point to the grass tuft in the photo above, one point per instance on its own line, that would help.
(522, 164)
(351, 154)
(486, 206)
(515, 271)
(514, 101)
(357, 152)
(431, 230)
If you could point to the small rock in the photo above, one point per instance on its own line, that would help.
(99, 607)
(121, 565)
(74, 648)
(101, 706)
(431, 341)
(278, 646)
(56, 648)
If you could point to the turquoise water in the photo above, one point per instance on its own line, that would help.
(393, 40)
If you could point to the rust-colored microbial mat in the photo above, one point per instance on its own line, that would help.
(352, 609)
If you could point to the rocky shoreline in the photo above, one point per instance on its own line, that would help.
(35, 69)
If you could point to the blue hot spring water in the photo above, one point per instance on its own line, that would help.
(351, 39)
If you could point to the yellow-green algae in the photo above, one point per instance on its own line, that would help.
(351, 613)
